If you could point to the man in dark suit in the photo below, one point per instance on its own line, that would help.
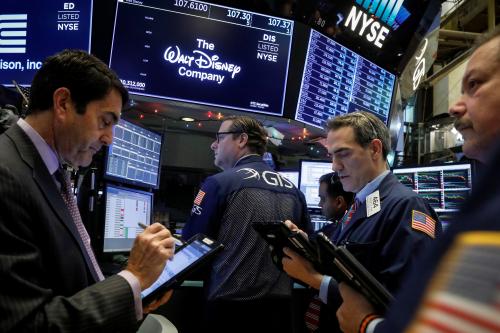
(50, 281)
(387, 225)
(454, 287)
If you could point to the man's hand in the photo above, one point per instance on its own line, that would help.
(159, 302)
(148, 255)
(301, 269)
(294, 228)
(353, 310)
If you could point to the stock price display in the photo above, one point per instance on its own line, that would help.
(203, 53)
(337, 81)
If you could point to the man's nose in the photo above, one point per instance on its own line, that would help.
(458, 109)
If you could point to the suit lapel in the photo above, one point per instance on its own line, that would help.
(360, 214)
(48, 187)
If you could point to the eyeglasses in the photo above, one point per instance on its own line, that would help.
(220, 135)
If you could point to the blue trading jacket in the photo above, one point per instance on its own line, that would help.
(224, 208)
(386, 243)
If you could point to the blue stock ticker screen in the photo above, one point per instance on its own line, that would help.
(30, 31)
(202, 53)
(337, 81)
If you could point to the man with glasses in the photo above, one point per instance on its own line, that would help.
(388, 224)
(245, 290)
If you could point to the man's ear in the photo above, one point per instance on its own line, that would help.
(340, 201)
(377, 147)
(62, 102)
(243, 140)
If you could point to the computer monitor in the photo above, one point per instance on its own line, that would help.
(445, 186)
(135, 155)
(30, 31)
(310, 173)
(124, 209)
(292, 176)
(337, 81)
(199, 52)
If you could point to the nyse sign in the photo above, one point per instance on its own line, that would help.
(367, 26)
(376, 19)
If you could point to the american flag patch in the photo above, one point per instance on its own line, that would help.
(464, 292)
(423, 222)
(199, 197)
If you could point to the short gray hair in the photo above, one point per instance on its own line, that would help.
(366, 127)
(486, 38)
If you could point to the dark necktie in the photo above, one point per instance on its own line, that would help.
(69, 200)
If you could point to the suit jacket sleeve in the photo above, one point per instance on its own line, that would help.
(34, 295)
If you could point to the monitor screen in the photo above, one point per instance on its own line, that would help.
(292, 176)
(30, 31)
(336, 81)
(197, 52)
(445, 187)
(125, 208)
(310, 173)
(135, 155)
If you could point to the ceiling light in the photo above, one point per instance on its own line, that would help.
(187, 119)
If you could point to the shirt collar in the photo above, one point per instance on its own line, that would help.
(371, 187)
(48, 155)
(243, 157)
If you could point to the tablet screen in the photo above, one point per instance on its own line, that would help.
(181, 261)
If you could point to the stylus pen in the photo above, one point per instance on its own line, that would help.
(142, 225)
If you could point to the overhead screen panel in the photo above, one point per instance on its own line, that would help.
(135, 155)
(30, 31)
(202, 53)
(337, 81)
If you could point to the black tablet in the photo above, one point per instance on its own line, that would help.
(278, 235)
(191, 256)
(341, 264)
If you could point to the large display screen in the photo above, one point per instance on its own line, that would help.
(135, 155)
(125, 208)
(337, 81)
(30, 31)
(202, 53)
(310, 173)
(445, 187)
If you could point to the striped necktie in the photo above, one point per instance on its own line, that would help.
(350, 213)
(69, 199)
(311, 316)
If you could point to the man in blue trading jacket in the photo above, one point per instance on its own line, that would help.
(388, 225)
(455, 286)
(244, 287)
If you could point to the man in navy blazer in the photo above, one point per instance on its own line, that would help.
(388, 226)
(49, 281)
(454, 287)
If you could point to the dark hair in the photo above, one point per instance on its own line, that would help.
(87, 78)
(485, 38)
(366, 127)
(257, 135)
(334, 187)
